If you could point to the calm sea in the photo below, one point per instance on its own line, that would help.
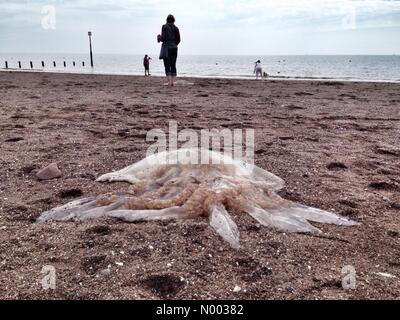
(365, 68)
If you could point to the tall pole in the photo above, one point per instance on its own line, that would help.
(91, 52)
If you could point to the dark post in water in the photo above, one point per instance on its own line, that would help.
(91, 52)
(31, 64)
(6, 65)
(43, 64)
(19, 64)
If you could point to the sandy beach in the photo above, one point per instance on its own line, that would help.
(336, 144)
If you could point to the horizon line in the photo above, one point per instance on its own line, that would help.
(216, 54)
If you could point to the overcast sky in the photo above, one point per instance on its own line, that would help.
(207, 26)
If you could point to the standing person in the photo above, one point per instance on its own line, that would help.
(146, 64)
(258, 69)
(170, 38)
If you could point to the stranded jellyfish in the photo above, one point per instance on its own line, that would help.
(189, 183)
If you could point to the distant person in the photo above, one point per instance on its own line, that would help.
(258, 69)
(146, 64)
(170, 38)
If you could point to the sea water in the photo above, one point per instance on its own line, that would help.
(339, 67)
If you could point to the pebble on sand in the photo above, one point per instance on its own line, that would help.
(385, 275)
(237, 289)
(49, 172)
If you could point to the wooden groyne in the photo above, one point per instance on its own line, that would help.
(42, 64)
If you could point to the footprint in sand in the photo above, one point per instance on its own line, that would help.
(336, 166)
(388, 150)
(165, 285)
(384, 185)
(16, 139)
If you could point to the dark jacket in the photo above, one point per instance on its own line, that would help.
(170, 35)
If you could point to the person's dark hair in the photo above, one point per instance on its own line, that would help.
(170, 19)
(258, 61)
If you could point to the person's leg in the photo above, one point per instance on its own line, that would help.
(173, 52)
(259, 73)
(167, 66)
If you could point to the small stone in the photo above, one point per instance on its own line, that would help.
(49, 172)
(70, 193)
(386, 275)
(120, 264)
(237, 289)
(260, 151)
(393, 233)
(336, 166)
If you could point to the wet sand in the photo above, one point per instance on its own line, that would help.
(335, 144)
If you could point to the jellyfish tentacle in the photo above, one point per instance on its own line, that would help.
(176, 213)
(68, 211)
(170, 173)
(284, 214)
(156, 200)
(321, 216)
(97, 207)
(280, 219)
(83, 209)
(100, 211)
(222, 223)
(171, 193)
